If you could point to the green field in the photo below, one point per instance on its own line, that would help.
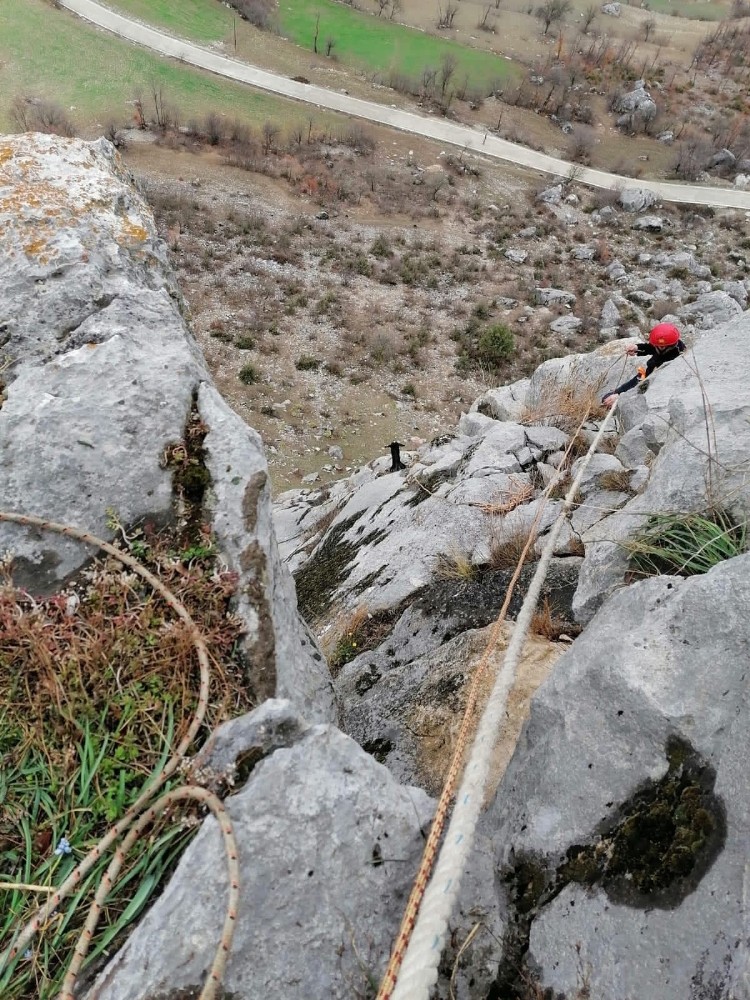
(94, 76)
(362, 40)
(378, 45)
(200, 20)
(698, 10)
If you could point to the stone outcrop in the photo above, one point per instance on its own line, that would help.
(104, 378)
(611, 860)
(621, 824)
(325, 837)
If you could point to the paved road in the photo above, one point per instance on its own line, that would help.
(432, 128)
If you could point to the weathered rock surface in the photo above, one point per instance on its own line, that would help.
(325, 837)
(671, 419)
(106, 377)
(637, 199)
(621, 823)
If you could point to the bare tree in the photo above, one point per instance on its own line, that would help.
(552, 11)
(482, 24)
(447, 69)
(156, 91)
(445, 19)
(396, 7)
(648, 28)
(588, 18)
(330, 45)
(382, 4)
(270, 133)
(497, 4)
(317, 32)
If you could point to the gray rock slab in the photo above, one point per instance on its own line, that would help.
(566, 325)
(599, 732)
(547, 439)
(636, 199)
(711, 309)
(599, 465)
(633, 450)
(671, 415)
(97, 420)
(553, 297)
(495, 451)
(107, 376)
(328, 846)
(505, 403)
(282, 656)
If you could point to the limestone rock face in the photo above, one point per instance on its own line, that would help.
(325, 837)
(621, 823)
(104, 375)
(669, 421)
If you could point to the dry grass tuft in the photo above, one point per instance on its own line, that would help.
(566, 404)
(618, 481)
(548, 624)
(454, 565)
(519, 492)
(507, 545)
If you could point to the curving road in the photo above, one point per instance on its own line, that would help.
(406, 121)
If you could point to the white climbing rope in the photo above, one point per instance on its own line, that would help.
(419, 971)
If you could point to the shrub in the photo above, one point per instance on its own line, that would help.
(496, 344)
(307, 363)
(248, 374)
(245, 343)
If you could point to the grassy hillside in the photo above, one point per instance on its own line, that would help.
(95, 76)
(362, 40)
(200, 20)
(376, 44)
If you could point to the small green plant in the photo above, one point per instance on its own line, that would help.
(249, 374)
(496, 344)
(307, 363)
(685, 544)
(245, 343)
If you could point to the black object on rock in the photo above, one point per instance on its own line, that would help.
(396, 463)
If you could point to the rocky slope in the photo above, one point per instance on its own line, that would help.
(611, 860)
(101, 377)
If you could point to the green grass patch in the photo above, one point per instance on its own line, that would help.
(382, 46)
(200, 20)
(97, 686)
(686, 544)
(95, 76)
(697, 10)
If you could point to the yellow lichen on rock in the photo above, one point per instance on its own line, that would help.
(134, 232)
(33, 249)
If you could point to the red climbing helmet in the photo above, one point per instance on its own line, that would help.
(664, 335)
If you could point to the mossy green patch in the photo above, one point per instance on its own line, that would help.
(651, 852)
(328, 567)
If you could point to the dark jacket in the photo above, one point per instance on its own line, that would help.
(656, 360)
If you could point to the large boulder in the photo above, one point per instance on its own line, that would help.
(637, 199)
(328, 846)
(711, 309)
(620, 826)
(105, 379)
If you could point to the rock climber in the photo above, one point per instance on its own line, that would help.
(664, 344)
